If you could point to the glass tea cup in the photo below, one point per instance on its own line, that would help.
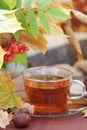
(49, 88)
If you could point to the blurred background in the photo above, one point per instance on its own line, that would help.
(59, 49)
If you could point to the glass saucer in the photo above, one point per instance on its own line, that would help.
(73, 109)
(69, 113)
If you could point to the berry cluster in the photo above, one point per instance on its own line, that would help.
(14, 49)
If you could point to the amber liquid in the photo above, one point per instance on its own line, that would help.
(49, 97)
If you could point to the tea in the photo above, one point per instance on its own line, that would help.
(47, 93)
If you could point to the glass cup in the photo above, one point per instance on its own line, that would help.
(49, 88)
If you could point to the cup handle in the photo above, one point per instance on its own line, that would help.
(77, 89)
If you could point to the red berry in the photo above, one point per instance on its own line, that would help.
(14, 48)
(26, 48)
(21, 51)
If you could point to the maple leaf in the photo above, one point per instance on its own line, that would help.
(9, 22)
(8, 99)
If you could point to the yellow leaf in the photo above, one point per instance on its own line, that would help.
(6, 14)
(6, 81)
(2, 53)
(8, 99)
(37, 44)
(10, 26)
(9, 22)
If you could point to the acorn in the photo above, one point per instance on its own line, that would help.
(21, 119)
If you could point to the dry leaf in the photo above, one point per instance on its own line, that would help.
(6, 39)
(80, 16)
(37, 44)
(72, 39)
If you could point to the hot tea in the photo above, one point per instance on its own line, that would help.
(48, 88)
(47, 93)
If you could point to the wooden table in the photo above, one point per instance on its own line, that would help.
(75, 122)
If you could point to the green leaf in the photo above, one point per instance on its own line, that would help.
(9, 99)
(58, 13)
(16, 35)
(22, 19)
(22, 58)
(44, 22)
(33, 23)
(10, 3)
(18, 3)
(28, 3)
(3, 5)
(44, 3)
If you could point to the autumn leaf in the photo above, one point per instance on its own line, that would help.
(2, 53)
(80, 16)
(9, 22)
(37, 44)
(6, 14)
(6, 39)
(8, 99)
(10, 26)
(72, 39)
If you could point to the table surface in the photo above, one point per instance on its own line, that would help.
(74, 122)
